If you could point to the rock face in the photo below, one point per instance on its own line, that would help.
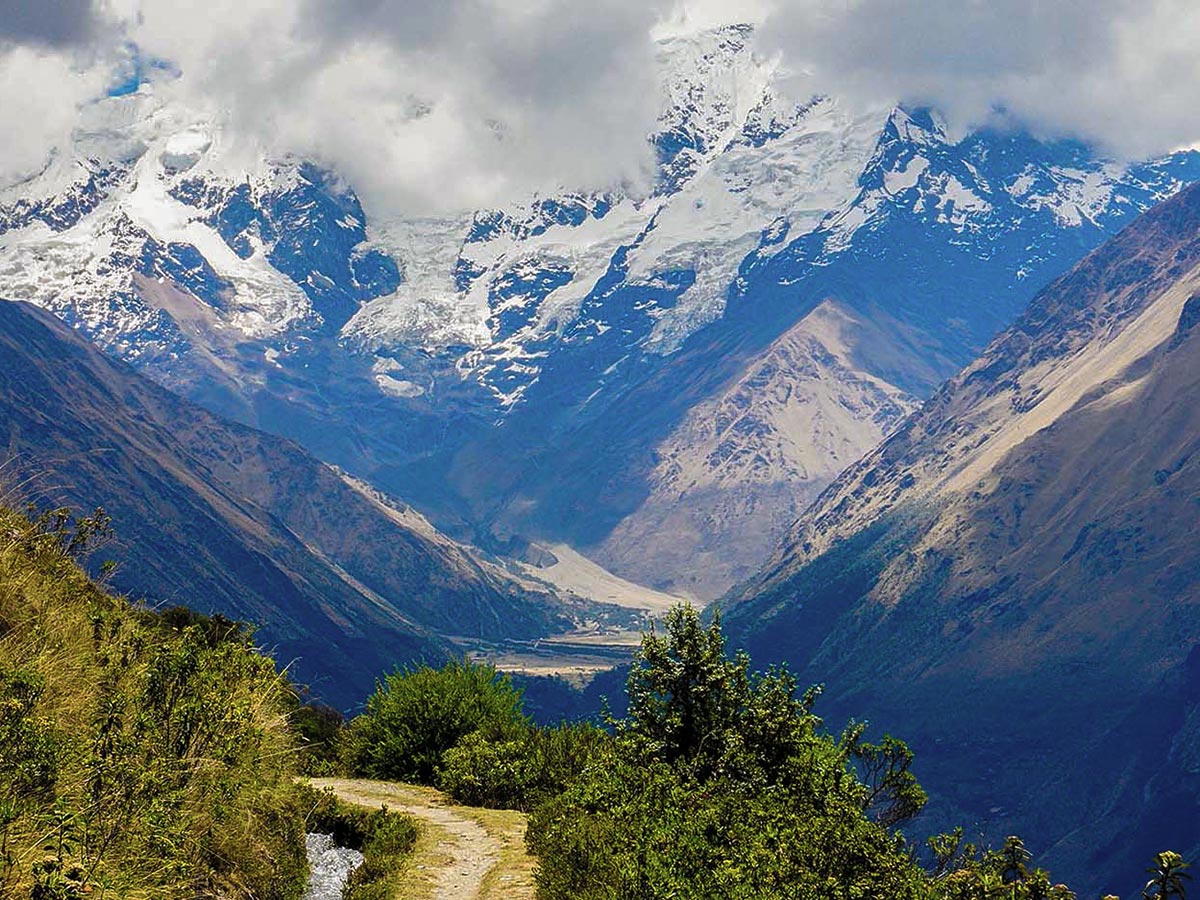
(741, 466)
(342, 581)
(538, 371)
(1012, 579)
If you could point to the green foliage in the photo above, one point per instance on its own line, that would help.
(318, 730)
(720, 783)
(693, 707)
(417, 714)
(893, 793)
(386, 851)
(1168, 877)
(521, 772)
(28, 747)
(645, 830)
(139, 755)
(962, 872)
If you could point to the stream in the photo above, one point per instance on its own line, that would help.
(329, 867)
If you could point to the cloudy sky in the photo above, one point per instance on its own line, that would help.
(457, 103)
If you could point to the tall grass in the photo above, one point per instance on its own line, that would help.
(140, 755)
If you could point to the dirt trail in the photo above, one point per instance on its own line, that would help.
(475, 854)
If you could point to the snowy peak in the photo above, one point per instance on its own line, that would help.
(586, 325)
(716, 89)
(164, 249)
(308, 227)
(990, 182)
(285, 252)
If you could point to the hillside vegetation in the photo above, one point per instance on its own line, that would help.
(152, 755)
(720, 782)
(141, 755)
(1013, 578)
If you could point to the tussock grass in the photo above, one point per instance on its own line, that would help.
(141, 754)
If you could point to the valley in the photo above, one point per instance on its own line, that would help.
(661, 381)
(903, 402)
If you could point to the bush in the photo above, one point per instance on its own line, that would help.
(140, 755)
(479, 771)
(523, 772)
(390, 840)
(416, 715)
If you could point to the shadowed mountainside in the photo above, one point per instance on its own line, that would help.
(240, 522)
(1012, 580)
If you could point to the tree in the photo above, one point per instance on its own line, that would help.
(1015, 860)
(692, 705)
(721, 783)
(893, 793)
(1168, 877)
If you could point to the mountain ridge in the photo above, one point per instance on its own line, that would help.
(329, 571)
(583, 327)
(1022, 544)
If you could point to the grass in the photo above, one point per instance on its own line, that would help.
(140, 756)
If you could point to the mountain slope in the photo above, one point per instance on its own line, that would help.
(741, 466)
(569, 345)
(1012, 579)
(241, 522)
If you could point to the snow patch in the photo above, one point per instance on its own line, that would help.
(182, 151)
(900, 180)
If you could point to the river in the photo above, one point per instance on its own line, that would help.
(329, 867)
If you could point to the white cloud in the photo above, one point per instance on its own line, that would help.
(41, 90)
(425, 106)
(428, 106)
(1121, 73)
(691, 16)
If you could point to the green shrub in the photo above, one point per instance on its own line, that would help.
(522, 772)
(720, 783)
(962, 872)
(416, 715)
(480, 771)
(390, 840)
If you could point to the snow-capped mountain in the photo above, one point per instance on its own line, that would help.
(596, 368)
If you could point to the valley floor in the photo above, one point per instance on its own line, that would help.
(464, 853)
(575, 573)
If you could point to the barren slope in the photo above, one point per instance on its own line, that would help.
(226, 518)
